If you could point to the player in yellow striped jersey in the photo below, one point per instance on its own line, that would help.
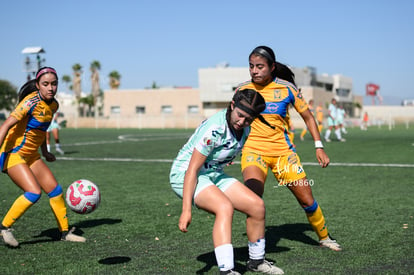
(319, 117)
(21, 135)
(269, 145)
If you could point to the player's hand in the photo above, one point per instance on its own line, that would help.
(49, 157)
(322, 158)
(184, 222)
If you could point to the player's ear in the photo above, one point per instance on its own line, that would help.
(232, 105)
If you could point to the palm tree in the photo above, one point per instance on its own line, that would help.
(67, 79)
(76, 85)
(114, 80)
(95, 67)
(87, 101)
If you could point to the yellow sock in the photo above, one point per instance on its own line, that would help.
(303, 133)
(59, 209)
(317, 221)
(20, 205)
(320, 126)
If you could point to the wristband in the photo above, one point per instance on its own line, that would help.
(318, 144)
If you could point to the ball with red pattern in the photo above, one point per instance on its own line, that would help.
(83, 196)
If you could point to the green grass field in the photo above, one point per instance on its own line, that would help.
(366, 194)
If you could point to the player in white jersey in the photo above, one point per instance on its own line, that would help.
(340, 117)
(332, 122)
(197, 176)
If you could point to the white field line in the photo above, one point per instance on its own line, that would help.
(124, 138)
(146, 137)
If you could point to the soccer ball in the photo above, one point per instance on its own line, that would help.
(83, 196)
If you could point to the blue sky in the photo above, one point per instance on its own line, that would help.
(168, 41)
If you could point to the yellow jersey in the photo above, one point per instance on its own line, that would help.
(319, 114)
(270, 137)
(34, 116)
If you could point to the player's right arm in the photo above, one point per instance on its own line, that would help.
(190, 181)
(4, 128)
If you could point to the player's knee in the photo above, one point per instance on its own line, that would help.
(32, 197)
(312, 208)
(56, 192)
(258, 209)
(225, 209)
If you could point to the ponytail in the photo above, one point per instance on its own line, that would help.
(284, 72)
(26, 89)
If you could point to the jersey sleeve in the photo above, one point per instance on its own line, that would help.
(299, 102)
(207, 140)
(22, 109)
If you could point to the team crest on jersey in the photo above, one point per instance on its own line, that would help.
(277, 94)
(300, 95)
(208, 141)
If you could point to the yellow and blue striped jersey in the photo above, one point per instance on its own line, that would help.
(273, 139)
(34, 116)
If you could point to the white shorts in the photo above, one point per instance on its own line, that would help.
(219, 179)
(53, 125)
(331, 122)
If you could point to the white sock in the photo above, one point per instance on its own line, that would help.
(224, 256)
(48, 147)
(57, 146)
(257, 249)
(338, 134)
(327, 134)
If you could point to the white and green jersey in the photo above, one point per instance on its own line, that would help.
(214, 139)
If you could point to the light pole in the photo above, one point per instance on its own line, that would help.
(31, 66)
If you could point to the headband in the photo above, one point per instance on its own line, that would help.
(45, 70)
(247, 108)
(265, 53)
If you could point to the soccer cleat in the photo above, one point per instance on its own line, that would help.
(327, 140)
(331, 244)
(60, 151)
(229, 272)
(342, 140)
(265, 267)
(70, 237)
(9, 238)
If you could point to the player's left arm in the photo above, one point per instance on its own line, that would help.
(310, 122)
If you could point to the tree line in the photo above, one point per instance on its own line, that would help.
(8, 92)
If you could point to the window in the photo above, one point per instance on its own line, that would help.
(166, 109)
(343, 92)
(192, 109)
(140, 109)
(115, 110)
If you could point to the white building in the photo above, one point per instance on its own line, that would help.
(187, 107)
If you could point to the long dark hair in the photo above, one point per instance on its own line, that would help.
(281, 70)
(30, 86)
